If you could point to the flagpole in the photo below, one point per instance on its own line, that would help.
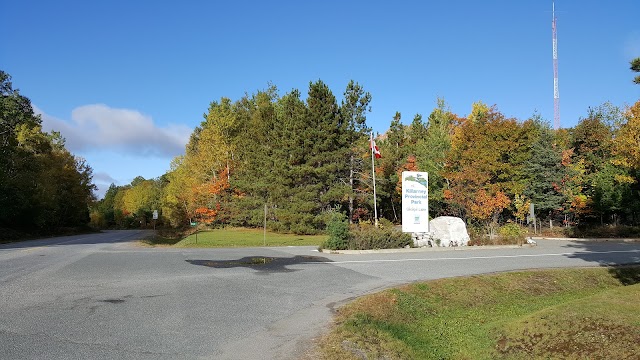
(373, 172)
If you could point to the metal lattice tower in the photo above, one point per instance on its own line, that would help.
(556, 92)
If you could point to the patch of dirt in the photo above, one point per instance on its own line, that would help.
(581, 339)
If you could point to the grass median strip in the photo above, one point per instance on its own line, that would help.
(574, 313)
(239, 237)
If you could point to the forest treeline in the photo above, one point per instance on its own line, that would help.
(302, 160)
(44, 189)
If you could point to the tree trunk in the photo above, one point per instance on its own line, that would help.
(351, 181)
(393, 207)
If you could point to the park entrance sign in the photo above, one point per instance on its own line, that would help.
(415, 202)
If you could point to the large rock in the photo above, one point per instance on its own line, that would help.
(444, 231)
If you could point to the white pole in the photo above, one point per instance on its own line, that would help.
(373, 172)
(264, 241)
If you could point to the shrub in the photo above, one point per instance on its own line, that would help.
(511, 234)
(511, 230)
(556, 231)
(338, 231)
(619, 231)
(386, 236)
(477, 236)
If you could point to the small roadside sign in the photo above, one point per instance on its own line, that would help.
(155, 214)
(193, 223)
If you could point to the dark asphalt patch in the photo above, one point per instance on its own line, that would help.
(264, 264)
(113, 301)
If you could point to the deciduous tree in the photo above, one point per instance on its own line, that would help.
(43, 187)
(488, 152)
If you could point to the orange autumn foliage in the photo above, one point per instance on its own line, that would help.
(207, 196)
(206, 214)
(410, 165)
(486, 206)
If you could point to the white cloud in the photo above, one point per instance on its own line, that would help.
(100, 127)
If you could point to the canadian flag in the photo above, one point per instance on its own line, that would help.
(374, 148)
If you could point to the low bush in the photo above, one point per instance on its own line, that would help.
(512, 234)
(9, 235)
(476, 235)
(386, 236)
(363, 236)
(619, 231)
(509, 234)
(338, 231)
(556, 231)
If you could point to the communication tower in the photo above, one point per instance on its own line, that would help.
(556, 92)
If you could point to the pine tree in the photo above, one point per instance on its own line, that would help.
(353, 112)
(394, 156)
(544, 171)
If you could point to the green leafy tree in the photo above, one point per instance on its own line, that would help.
(431, 153)
(592, 144)
(43, 187)
(18, 168)
(610, 194)
(142, 198)
(626, 154)
(105, 208)
(627, 138)
(178, 203)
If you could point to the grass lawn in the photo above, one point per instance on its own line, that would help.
(591, 313)
(240, 237)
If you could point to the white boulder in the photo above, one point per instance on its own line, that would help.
(444, 231)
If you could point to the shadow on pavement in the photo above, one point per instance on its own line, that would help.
(103, 237)
(263, 264)
(621, 257)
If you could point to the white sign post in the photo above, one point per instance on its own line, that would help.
(155, 217)
(415, 202)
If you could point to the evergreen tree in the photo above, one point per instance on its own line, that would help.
(387, 177)
(416, 133)
(326, 130)
(294, 192)
(353, 112)
(261, 158)
(635, 66)
(544, 171)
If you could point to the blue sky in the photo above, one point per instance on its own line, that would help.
(127, 81)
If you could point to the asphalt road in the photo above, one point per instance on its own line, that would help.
(101, 296)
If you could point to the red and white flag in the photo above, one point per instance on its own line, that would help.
(374, 148)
